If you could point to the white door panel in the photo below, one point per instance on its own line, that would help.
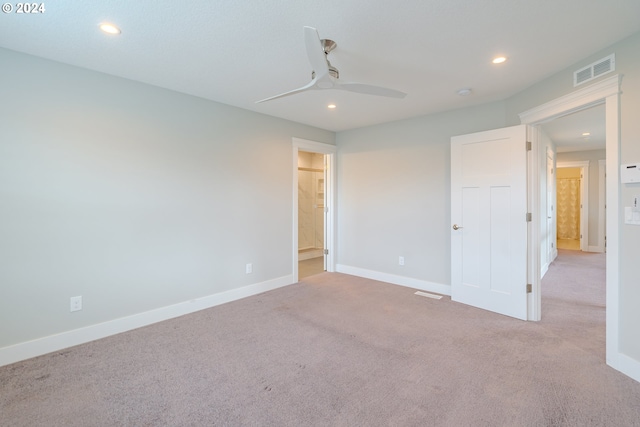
(488, 205)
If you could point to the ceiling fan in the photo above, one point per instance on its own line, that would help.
(325, 75)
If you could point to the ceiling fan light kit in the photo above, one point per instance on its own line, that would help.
(326, 76)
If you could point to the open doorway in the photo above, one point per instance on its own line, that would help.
(572, 201)
(311, 213)
(573, 287)
(569, 203)
(576, 190)
(314, 189)
(607, 92)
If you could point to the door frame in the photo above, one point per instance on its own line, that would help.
(584, 199)
(602, 235)
(607, 92)
(330, 196)
(551, 251)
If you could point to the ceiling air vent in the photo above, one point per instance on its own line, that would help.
(591, 71)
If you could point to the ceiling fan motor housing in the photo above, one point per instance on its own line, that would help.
(333, 72)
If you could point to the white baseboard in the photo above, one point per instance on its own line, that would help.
(628, 366)
(595, 249)
(544, 270)
(409, 282)
(40, 346)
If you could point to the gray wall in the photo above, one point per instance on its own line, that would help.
(394, 192)
(132, 196)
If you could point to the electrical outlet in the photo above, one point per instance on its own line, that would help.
(401, 260)
(75, 304)
(249, 269)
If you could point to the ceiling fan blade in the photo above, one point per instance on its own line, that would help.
(315, 52)
(325, 76)
(308, 86)
(370, 90)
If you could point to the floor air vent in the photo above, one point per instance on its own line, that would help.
(428, 295)
(598, 68)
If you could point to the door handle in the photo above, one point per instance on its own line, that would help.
(455, 227)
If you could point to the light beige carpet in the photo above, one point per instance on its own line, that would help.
(337, 350)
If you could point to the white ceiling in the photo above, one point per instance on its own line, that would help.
(239, 51)
(567, 132)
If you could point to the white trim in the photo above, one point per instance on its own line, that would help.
(40, 346)
(409, 282)
(543, 271)
(584, 199)
(607, 91)
(578, 100)
(534, 272)
(329, 150)
(629, 366)
(313, 146)
(602, 171)
(612, 112)
(550, 252)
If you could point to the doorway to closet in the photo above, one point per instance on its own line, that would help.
(311, 213)
(314, 216)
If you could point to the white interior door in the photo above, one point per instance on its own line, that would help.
(489, 222)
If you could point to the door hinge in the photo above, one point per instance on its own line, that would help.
(529, 288)
(326, 252)
(528, 145)
(528, 216)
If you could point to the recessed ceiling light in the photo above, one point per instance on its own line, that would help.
(586, 134)
(499, 60)
(109, 28)
(331, 106)
(464, 91)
